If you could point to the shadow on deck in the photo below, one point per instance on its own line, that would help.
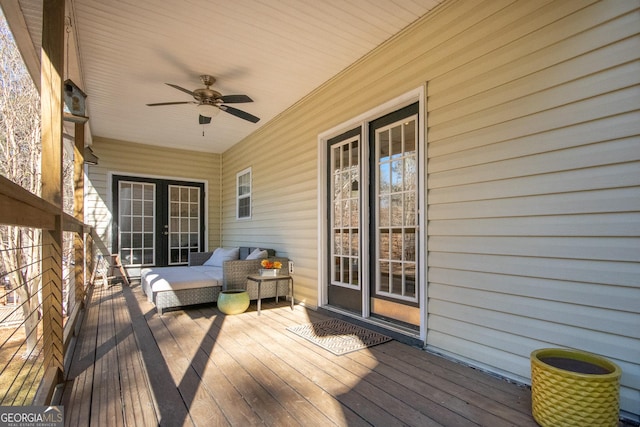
(199, 367)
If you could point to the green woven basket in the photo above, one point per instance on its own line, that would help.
(563, 397)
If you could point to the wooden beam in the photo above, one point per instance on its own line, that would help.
(71, 224)
(17, 212)
(78, 211)
(52, 58)
(17, 196)
(78, 173)
(51, 74)
(22, 208)
(47, 386)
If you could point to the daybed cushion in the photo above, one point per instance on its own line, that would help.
(258, 254)
(160, 279)
(220, 255)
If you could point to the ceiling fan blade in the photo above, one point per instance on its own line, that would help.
(180, 88)
(235, 99)
(204, 120)
(239, 113)
(169, 103)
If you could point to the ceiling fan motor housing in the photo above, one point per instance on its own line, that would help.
(207, 95)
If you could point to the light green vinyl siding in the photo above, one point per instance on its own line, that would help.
(123, 158)
(533, 177)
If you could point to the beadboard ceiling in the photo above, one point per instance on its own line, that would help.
(275, 51)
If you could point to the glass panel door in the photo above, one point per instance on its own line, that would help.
(184, 223)
(345, 215)
(136, 219)
(396, 219)
(373, 219)
(344, 221)
(158, 221)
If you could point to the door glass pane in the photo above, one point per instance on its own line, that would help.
(396, 217)
(409, 136)
(136, 203)
(396, 141)
(396, 278)
(384, 173)
(383, 145)
(184, 222)
(345, 215)
(396, 213)
(137, 192)
(383, 243)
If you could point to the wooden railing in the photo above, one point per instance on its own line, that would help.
(21, 208)
(60, 292)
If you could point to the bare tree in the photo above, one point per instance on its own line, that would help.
(20, 151)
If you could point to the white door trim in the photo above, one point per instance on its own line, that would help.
(362, 120)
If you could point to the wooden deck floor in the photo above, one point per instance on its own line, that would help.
(198, 367)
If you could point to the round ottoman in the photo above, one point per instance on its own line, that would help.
(234, 301)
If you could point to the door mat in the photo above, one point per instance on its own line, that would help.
(339, 337)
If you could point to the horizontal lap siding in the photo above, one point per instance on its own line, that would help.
(139, 159)
(533, 185)
(283, 153)
(534, 195)
(284, 208)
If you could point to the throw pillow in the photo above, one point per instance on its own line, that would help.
(220, 255)
(258, 254)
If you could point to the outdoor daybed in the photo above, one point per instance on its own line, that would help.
(206, 275)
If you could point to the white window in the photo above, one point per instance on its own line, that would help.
(243, 194)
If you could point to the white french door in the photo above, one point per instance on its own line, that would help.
(345, 289)
(394, 219)
(136, 220)
(373, 219)
(158, 221)
(183, 227)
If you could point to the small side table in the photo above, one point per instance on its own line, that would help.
(260, 279)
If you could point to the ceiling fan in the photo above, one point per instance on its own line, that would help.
(210, 102)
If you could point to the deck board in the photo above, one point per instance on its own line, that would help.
(184, 375)
(133, 376)
(426, 389)
(199, 367)
(200, 343)
(81, 369)
(243, 370)
(312, 383)
(375, 405)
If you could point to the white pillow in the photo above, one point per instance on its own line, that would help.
(258, 254)
(220, 255)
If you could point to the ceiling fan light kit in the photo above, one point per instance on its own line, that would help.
(209, 102)
(208, 110)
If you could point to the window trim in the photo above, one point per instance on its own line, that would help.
(248, 195)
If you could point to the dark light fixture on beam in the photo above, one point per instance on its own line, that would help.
(89, 157)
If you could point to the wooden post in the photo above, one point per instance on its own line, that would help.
(78, 211)
(52, 70)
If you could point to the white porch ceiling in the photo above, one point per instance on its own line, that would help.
(274, 51)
